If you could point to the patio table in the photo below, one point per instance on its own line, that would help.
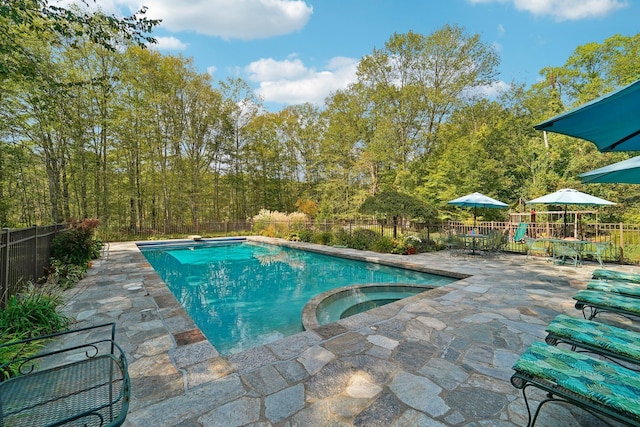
(474, 241)
(561, 249)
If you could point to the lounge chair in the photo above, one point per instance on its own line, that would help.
(602, 273)
(609, 341)
(598, 302)
(597, 386)
(623, 288)
(521, 231)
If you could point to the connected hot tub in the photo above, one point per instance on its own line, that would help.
(339, 303)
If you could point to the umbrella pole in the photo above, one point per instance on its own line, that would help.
(474, 217)
(564, 229)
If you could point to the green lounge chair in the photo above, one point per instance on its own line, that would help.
(597, 386)
(609, 341)
(623, 288)
(623, 276)
(598, 301)
(518, 236)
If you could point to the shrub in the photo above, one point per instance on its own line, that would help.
(383, 244)
(305, 235)
(32, 313)
(323, 237)
(278, 224)
(64, 275)
(341, 237)
(76, 245)
(363, 239)
(28, 315)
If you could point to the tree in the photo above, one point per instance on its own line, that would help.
(396, 205)
(408, 89)
(22, 20)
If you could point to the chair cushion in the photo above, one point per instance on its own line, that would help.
(616, 275)
(616, 341)
(601, 383)
(624, 288)
(608, 300)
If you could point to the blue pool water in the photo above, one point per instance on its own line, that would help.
(245, 294)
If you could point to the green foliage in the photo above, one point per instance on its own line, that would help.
(396, 204)
(341, 237)
(323, 237)
(399, 247)
(31, 314)
(383, 244)
(64, 275)
(76, 245)
(28, 315)
(305, 235)
(363, 239)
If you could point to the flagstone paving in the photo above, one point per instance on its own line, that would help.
(441, 358)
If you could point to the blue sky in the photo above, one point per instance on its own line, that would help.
(295, 51)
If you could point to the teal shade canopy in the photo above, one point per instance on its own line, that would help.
(477, 200)
(569, 196)
(611, 122)
(624, 172)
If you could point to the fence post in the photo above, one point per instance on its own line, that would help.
(35, 264)
(4, 284)
(621, 244)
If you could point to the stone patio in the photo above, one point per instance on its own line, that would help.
(442, 358)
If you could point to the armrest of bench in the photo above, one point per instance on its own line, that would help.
(77, 379)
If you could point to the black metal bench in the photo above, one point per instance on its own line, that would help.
(85, 383)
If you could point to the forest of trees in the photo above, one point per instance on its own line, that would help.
(137, 138)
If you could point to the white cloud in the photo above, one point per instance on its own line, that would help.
(291, 82)
(169, 43)
(563, 10)
(211, 70)
(491, 91)
(501, 30)
(228, 19)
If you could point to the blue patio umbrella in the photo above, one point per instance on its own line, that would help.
(569, 196)
(477, 200)
(611, 122)
(624, 172)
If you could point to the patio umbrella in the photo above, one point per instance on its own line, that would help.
(569, 196)
(477, 200)
(611, 122)
(624, 172)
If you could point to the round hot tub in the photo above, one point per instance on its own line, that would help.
(339, 303)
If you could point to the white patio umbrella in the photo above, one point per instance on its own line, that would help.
(477, 200)
(569, 196)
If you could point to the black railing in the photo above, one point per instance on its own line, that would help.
(24, 256)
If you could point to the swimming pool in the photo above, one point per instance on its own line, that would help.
(243, 294)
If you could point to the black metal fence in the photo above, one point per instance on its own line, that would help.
(25, 253)
(24, 256)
